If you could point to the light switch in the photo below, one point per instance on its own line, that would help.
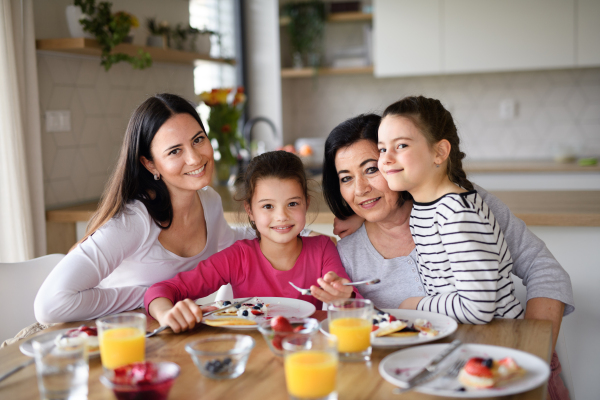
(58, 121)
(508, 109)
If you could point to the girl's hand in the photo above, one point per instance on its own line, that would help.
(345, 227)
(182, 316)
(331, 288)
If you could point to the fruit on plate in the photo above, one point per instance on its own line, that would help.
(90, 331)
(482, 373)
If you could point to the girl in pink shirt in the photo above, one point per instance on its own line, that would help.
(275, 195)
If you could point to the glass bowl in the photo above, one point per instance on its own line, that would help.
(274, 339)
(142, 380)
(221, 356)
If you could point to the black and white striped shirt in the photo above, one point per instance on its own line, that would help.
(463, 259)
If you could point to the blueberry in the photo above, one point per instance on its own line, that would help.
(238, 306)
(461, 389)
(256, 308)
(260, 305)
(227, 361)
(488, 362)
(375, 322)
(245, 313)
(226, 303)
(380, 313)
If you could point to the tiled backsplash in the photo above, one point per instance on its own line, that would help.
(554, 108)
(77, 164)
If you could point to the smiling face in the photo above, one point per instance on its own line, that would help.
(405, 158)
(362, 185)
(278, 208)
(181, 154)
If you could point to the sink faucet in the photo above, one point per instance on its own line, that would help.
(247, 130)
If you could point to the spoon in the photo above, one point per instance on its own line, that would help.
(306, 292)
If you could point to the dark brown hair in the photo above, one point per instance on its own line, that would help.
(273, 164)
(131, 180)
(435, 123)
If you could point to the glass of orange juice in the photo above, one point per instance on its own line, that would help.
(122, 339)
(311, 365)
(351, 321)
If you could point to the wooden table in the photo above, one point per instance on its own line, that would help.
(264, 378)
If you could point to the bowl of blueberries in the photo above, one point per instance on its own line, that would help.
(221, 356)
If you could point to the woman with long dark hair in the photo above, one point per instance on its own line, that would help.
(157, 217)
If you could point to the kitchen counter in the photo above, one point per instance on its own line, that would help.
(518, 166)
(537, 208)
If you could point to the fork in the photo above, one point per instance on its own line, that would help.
(306, 292)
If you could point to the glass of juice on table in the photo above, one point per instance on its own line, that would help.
(122, 339)
(62, 366)
(311, 364)
(351, 321)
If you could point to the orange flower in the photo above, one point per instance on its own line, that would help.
(226, 128)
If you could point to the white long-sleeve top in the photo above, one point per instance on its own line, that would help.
(110, 271)
(464, 260)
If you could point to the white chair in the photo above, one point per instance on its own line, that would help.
(561, 347)
(19, 284)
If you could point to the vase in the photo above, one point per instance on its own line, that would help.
(226, 173)
(74, 14)
(297, 60)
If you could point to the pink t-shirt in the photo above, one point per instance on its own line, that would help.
(250, 273)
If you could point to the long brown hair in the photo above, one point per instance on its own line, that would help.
(131, 180)
(435, 123)
(273, 164)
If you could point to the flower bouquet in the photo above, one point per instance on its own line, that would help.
(226, 108)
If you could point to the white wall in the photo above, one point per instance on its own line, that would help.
(554, 108)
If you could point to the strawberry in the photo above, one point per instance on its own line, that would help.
(392, 318)
(298, 328)
(374, 328)
(475, 367)
(257, 312)
(281, 324)
(277, 342)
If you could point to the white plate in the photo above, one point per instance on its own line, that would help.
(289, 308)
(27, 348)
(444, 324)
(399, 367)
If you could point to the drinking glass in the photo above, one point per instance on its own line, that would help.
(122, 339)
(351, 321)
(311, 364)
(62, 367)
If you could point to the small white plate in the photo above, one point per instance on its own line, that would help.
(398, 367)
(27, 348)
(289, 308)
(444, 324)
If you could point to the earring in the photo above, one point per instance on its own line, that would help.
(253, 225)
(156, 176)
(437, 165)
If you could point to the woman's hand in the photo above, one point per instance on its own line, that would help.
(411, 303)
(332, 288)
(180, 317)
(345, 227)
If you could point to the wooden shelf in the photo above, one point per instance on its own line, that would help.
(90, 47)
(338, 17)
(309, 72)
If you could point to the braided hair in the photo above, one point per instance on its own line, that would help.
(435, 123)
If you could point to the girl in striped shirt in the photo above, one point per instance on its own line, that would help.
(463, 258)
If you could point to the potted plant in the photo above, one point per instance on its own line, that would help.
(306, 26)
(110, 30)
(199, 40)
(226, 108)
(159, 33)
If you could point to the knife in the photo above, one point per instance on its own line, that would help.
(430, 369)
(237, 303)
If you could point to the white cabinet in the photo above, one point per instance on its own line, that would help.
(588, 33)
(463, 36)
(491, 35)
(406, 37)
